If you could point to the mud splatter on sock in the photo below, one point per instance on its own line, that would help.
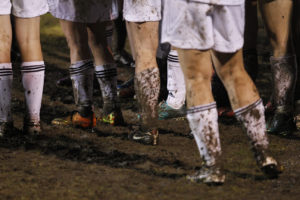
(82, 74)
(203, 121)
(107, 79)
(252, 118)
(6, 78)
(284, 74)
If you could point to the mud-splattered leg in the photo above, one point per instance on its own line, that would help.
(107, 79)
(6, 78)
(284, 70)
(147, 86)
(203, 121)
(253, 120)
(82, 73)
(144, 42)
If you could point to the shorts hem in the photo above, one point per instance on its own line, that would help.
(29, 14)
(131, 18)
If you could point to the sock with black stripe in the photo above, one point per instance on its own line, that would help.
(203, 121)
(107, 79)
(6, 78)
(33, 74)
(82, 75)
(176, 84)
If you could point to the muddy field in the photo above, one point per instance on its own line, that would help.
(67, 163)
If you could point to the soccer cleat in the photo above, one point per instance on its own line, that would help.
(167, 112)
(271, 168)
(149, 137)
(6, 129)
(281, 124)
(76, 120)
(124, 58)
(114, 118)
(32, 128)
(208, 175)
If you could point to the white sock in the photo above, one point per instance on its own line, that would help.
(6, 78)
(176, 84)
(33, 74)
(203, 121)
(252, 118)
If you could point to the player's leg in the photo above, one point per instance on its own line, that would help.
(147, 81)
(27, 27)
(296, 41)
(202, 112)
(243, 95)
(106, 73)
(81, 73)
(6, 74)
(185, 30)
(142, 21)
(277, 18)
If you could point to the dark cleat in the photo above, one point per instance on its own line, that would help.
(149, 137)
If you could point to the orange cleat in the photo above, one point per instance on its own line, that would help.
(76, 120)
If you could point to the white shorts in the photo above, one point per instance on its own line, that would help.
(23, 8)
(203, 26)
(142, 10)
(84, 11)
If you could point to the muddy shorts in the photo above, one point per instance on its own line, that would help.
(23, 8)
(142, 10)
(203, 26)
(84, 11)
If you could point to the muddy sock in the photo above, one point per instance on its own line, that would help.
(203, 121)
(82, 74)
(284, 74)
(176, 84)
(33, 74)
(107, 79)
(6, 79)
(147, 86)
(252, 118)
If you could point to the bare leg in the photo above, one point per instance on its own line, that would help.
(240, 88)
(77, 38)
(5, 39)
